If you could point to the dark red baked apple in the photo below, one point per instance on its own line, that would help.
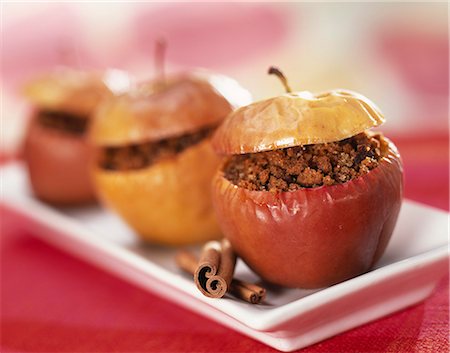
(55, 148)
(306, 196)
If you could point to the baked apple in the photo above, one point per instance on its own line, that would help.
(154, 162)
(55, 147)
(307, 196)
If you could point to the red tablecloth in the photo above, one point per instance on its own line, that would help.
(52, 302)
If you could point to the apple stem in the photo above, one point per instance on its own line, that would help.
(160, 51)
(276, 71)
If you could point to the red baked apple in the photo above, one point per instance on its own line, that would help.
(154, 161)
(56, 151)
(313, 223)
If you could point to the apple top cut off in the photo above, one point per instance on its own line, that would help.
(296, 119)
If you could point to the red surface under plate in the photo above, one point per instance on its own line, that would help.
(52, 302)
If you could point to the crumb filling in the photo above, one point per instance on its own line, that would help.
(137, 156)
(308, 166)
(63, 121)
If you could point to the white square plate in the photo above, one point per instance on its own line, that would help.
(415, 260)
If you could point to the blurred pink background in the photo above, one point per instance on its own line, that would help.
(395, 53)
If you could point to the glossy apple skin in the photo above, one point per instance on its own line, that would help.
(58, 165)
(312, 238)
(169, 202)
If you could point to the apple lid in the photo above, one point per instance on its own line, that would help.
(153, 111)
(295, 119)
(74, 91)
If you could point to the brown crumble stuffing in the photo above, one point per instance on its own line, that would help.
(308, 166)
(63, 121)
(137, 156)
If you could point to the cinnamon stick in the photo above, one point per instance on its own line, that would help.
(187, 261)
(249, 292)
(215, 269)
